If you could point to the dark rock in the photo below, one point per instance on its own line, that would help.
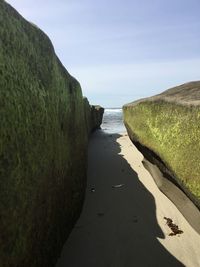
(100, 214)
(93, 116)
(43, 145)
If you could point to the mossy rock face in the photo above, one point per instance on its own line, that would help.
(169, 125)
(93, 116)
(96, 117)
(43, 146)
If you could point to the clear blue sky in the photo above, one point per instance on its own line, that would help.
(121, 50)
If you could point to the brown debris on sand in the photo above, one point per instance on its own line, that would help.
(173, 227)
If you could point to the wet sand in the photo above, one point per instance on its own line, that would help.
(122, 223)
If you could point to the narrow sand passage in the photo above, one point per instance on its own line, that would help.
(122, 223)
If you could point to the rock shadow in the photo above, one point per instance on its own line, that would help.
(118, 225)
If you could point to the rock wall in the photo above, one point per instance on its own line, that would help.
(93, 116)
(43, 145)
(166, 128)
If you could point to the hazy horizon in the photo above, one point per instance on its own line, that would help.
(121, 51)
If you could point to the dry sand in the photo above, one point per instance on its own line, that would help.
(122, 223)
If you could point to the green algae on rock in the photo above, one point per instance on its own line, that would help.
(43, 145)
(93, 116)
(168, 126)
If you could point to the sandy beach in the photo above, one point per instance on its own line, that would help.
(122, 223)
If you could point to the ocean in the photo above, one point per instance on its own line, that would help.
(113, 121)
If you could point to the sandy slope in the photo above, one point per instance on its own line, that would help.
(124, 226)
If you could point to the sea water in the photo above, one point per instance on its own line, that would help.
(113, 121)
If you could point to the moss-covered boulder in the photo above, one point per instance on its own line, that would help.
(93, 116)
(43, 145)
(167, 128)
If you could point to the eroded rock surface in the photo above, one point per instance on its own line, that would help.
(43, 145)
(166, 128)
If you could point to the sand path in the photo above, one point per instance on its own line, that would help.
(124, 226)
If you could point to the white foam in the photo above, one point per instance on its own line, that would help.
(113, 110)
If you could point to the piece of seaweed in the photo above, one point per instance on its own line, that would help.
(175, 229)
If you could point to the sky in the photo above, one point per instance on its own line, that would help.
(121, 50)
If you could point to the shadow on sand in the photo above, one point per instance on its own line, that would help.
(118, 225)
